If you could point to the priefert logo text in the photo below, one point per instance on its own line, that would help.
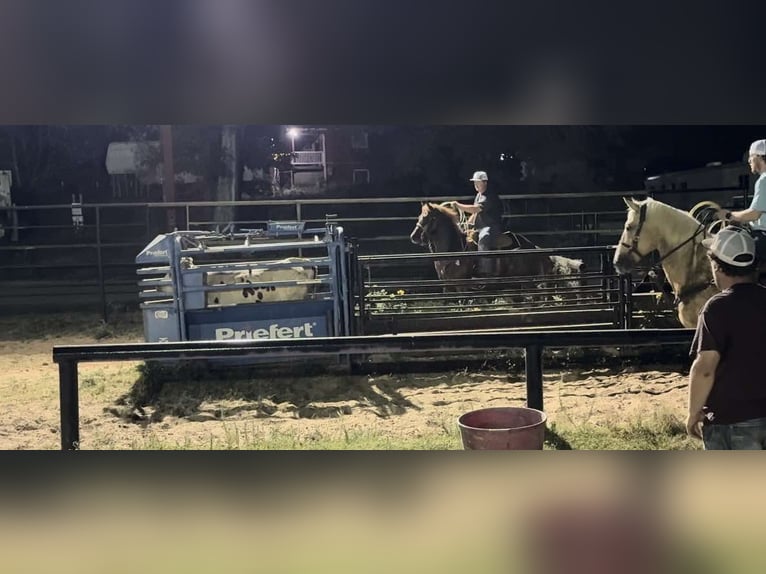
(273, 332)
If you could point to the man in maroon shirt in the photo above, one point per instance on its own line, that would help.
(727, 382)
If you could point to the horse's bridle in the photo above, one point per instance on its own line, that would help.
(423, 236)
(633, 246)
(419, 225)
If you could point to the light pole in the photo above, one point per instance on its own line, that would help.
(292, 134)
(168, 175)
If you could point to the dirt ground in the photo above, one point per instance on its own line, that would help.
(398, 406)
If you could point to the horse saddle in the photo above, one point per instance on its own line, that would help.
(502, 241)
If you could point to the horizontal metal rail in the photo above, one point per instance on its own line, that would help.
(373, 200)
(427, 312)
(379, 259)
(533, 342)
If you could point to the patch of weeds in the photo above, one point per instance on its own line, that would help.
(103, 331)
(39, 326)
(94, 384)
(662, 431)
(554, 440)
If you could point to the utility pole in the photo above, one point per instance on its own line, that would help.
(168, 173)
(227, 188)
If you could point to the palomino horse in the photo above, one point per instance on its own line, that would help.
(439, 230)
(677, 236)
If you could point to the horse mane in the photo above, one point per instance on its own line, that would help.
(654, 206)
(444, 210)
(678, 225)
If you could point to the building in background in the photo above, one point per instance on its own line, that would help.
(325, 158)
(135, 174)
(725, 183)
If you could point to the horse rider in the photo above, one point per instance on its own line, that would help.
(487, 219)
(755, 215)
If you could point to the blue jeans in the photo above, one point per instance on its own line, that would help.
(760, 244)
(747, 435)
(487, 241)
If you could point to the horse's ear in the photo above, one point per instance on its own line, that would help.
(631, 203)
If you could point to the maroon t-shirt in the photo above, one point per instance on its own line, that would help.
(733, 323)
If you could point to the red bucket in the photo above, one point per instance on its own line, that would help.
(503, 428)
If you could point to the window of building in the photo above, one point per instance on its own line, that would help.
(359, 140)
(361, 176)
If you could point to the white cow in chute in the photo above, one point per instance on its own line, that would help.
(260, 287)
(260, 283)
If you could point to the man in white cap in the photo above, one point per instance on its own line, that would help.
(727, 390)
(487, 218)
(755, 215)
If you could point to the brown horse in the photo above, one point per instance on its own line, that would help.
(438, 229)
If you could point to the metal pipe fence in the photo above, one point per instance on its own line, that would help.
(68, 357)
(98, 249)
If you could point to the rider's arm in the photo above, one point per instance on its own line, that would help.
(744, 216)
(757, 206)
(468, 208)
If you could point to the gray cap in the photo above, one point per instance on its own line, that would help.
(732, 245)
(479, 176)
(758, 147)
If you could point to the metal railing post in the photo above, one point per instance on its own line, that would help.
(69, 405)
(621, 301)
(148, 224)
(298, 218)
(533, 365)
(99, 262)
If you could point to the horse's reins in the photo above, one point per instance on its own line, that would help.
(463, 239)
(633, 248)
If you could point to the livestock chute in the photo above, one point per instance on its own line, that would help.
(258, 284)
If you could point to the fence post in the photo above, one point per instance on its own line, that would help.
(69, 405)
(148, 236)
(298, 218)
(99, 262)
(533, 365)
(629, 302)
(621, 301)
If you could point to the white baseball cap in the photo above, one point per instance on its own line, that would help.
(732, 245)
(758, 147)
(482, 176)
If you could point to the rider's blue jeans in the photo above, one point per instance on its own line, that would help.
(486, 242)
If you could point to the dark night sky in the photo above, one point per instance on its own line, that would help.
(685, 147)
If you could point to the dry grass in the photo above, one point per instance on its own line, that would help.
(130, 406)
